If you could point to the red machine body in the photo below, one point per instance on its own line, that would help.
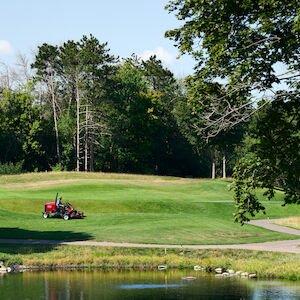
(50, 207)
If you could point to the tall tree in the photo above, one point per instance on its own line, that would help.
(87, 69)
(20, 129)
(47, 69)
(242, 42)
(77, 74)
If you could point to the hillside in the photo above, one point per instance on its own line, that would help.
(129, 208)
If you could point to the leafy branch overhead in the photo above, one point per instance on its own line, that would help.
(239, 47)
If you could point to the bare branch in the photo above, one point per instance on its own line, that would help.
(274, 39)
(217, 117)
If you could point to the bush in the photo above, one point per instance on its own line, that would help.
(11, 168)
(57, 167)
(9, 260)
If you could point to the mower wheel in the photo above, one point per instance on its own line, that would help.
(45, 215)
(66, 217)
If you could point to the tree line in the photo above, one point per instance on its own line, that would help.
(82, 108)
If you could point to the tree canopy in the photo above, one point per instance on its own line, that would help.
(240, 39)
(243, 44)
(89, 110)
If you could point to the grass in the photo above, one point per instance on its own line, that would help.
(266, 265)
(293, 222)
(130, 208)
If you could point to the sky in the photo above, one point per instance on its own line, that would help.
(128, 26)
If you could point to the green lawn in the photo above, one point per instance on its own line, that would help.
(129, 208)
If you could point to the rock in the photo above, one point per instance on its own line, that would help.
(238, 273)
(198, 268)
(252, 275)
(230, 271)
(244, 274)
(219, 270)
(225, 274)
(162, 267)
(3, 269)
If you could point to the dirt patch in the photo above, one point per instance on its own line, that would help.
(39, 184)
(65, 181)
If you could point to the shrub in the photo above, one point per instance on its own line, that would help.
(11, 168)
(57, 167)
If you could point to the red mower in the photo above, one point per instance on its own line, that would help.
(59, 210)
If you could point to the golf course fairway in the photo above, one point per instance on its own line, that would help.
(131, 208)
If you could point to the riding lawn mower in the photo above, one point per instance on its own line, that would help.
(65, 211)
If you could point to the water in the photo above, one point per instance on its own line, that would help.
(133, 285)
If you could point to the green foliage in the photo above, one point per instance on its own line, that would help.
(77, 72)
(11, 260)
(57, 167)
(241, 42)
(144, 97)
(21, 128)
(238, 39)
(271, 158)
(11, 168)
(134, 127)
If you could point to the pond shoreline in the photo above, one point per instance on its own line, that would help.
(217, 272)
(271, 265)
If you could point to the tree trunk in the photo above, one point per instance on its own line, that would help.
(213, 170)
(55, 120)
(92, 158)
(86, 140)
(224, 166)
(78, 129)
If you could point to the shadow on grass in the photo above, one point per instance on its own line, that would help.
(15, 241)
(56, 237)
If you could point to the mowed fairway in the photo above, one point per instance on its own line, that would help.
(129, 208)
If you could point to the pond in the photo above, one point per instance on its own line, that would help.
(82, 285)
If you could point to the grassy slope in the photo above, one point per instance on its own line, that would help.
(129, 208)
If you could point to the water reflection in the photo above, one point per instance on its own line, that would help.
(148, 286)
(134, 285)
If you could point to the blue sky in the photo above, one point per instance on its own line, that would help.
(129, 26)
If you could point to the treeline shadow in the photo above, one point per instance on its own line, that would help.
(16, 240)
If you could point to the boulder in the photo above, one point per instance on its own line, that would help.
(244, 274)
(218, 270)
